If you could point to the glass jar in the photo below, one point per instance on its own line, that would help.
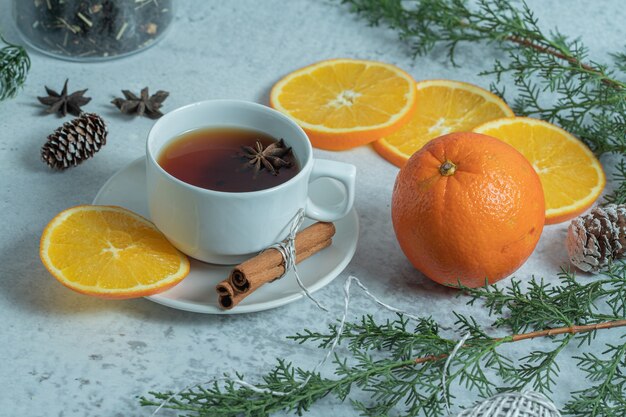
(91, 30)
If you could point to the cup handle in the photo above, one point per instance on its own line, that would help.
(342, 172)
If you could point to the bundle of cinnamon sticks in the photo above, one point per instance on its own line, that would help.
(269, 265)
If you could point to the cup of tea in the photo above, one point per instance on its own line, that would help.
(210, 194)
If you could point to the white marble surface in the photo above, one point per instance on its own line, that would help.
(67, 355)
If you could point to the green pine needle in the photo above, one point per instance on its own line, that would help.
(14, 66)
(619, 196)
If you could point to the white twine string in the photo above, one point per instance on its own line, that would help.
(446, 366)
(287, 249)
(514, 404)
(506, 404)
(525, 404)
(346, 303)
(531, 404)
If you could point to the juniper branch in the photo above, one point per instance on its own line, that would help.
(606, 398)
(399, 363)
(14, 66)
(391, 381)
(533, 335)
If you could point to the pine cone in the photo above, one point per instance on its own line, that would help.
(596, 239)
(75, 141)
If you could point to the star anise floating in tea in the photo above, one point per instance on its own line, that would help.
(144, 105)
(272, 158)
(63, 103)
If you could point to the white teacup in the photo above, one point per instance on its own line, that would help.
(228, 227)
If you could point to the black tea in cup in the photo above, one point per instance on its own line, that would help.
(229, 160)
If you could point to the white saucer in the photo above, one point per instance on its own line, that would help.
(197, 291)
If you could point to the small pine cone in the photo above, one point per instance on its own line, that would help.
(597, 238)
(75, 141)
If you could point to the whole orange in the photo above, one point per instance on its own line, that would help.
(467, 208)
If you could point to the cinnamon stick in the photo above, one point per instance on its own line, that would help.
(267, 266)
(225, 295)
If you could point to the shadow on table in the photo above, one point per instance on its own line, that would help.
(29, 288)
(27, 285)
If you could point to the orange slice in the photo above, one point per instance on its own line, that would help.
(571, 176)
(110, 252)
(443, 106)
(343, 103)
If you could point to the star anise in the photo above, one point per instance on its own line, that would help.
(272, 158)
(144, 105)
(64, 103)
